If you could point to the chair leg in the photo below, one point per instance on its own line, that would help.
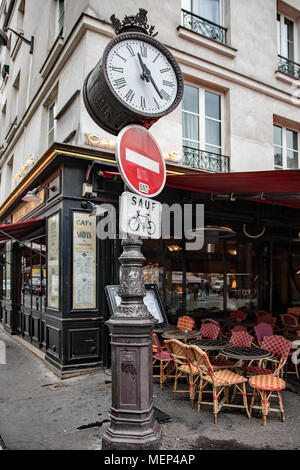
(281, 407)
(175, 385)
(161, 378)
(252, 402)
(192, 390)
(233, 395)
(215, 401)
(297, 372)
(245, 399)
(226, 394)
(264, 407)
(200, 393)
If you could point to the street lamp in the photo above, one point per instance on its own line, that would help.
(4, 38)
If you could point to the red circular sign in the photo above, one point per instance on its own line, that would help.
(140, 161)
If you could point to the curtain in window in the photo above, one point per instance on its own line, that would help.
(208, 9)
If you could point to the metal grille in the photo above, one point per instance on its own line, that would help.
(205, 27)
(203, 160)
(289, 67)
(239, 352)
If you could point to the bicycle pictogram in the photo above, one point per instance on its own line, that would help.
(144, 221)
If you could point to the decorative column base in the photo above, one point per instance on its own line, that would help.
(133, 425)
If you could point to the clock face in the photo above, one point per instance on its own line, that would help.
(142, 76)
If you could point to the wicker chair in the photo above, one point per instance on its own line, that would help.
(238, 315)
(290, 323)
(220, 380)
(280, 347)
(184, 368)
(210, 330)
(161, 359)
(186, 323)
(266, 385)
(262, 330)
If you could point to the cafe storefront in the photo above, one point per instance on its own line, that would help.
(54, 268)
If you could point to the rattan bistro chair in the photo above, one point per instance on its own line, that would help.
(266, 385)
(220, 380)
(184, 368)
(161, 359)
(186, 323)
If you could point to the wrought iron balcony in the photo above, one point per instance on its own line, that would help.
(202, 26)
(289, 67)
(207, 161)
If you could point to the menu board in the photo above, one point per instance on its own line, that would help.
(152, 299)
(53, 262)
(84, 261)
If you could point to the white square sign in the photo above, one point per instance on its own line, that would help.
(140, 216)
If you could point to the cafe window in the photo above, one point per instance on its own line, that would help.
(33, 271)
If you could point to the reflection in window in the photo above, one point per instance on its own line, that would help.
(285, 148)
(33, 268)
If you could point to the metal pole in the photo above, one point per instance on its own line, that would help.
(133, 425)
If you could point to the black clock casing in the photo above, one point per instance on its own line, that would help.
(105, 106)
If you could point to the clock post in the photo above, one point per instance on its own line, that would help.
(115, 99)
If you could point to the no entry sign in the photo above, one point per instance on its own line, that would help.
(140, 161)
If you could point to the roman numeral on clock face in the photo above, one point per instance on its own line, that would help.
(143, 51)
(143, 102)
(167, 83)
(165, 95)
(129, 95)
(165, 70)
(117, 69)
(120, 83)
(131, 51)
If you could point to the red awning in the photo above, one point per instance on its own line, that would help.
(282, 186)
(20, 229)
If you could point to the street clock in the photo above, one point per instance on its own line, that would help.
(137, 81)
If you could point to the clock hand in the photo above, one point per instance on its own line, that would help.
(155, 86)
(147, 75)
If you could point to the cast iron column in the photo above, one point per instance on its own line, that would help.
(133, 425)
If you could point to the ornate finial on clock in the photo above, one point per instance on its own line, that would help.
(138, 23)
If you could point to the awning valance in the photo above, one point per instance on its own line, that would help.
(282, 186)
(19, 230)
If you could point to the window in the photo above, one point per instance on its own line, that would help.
(202, 119)
(60, 17)
(202, 129)
(207, 9)
(204, 17)
(286, 47)
(285, 148)
(285, 37)
(51, 124)
(9, 175)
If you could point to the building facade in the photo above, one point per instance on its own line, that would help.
(240, 113)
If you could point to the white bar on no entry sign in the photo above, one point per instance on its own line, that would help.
(142, 161)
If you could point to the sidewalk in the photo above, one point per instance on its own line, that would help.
(39, 411)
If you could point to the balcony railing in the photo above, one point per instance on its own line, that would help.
(207, 161)
(202, 26)
(289, 67)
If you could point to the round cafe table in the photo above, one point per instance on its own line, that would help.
(245, 354)
(183, 335)
(208, 344)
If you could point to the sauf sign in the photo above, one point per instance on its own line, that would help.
(140, 216)
(143, 170)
